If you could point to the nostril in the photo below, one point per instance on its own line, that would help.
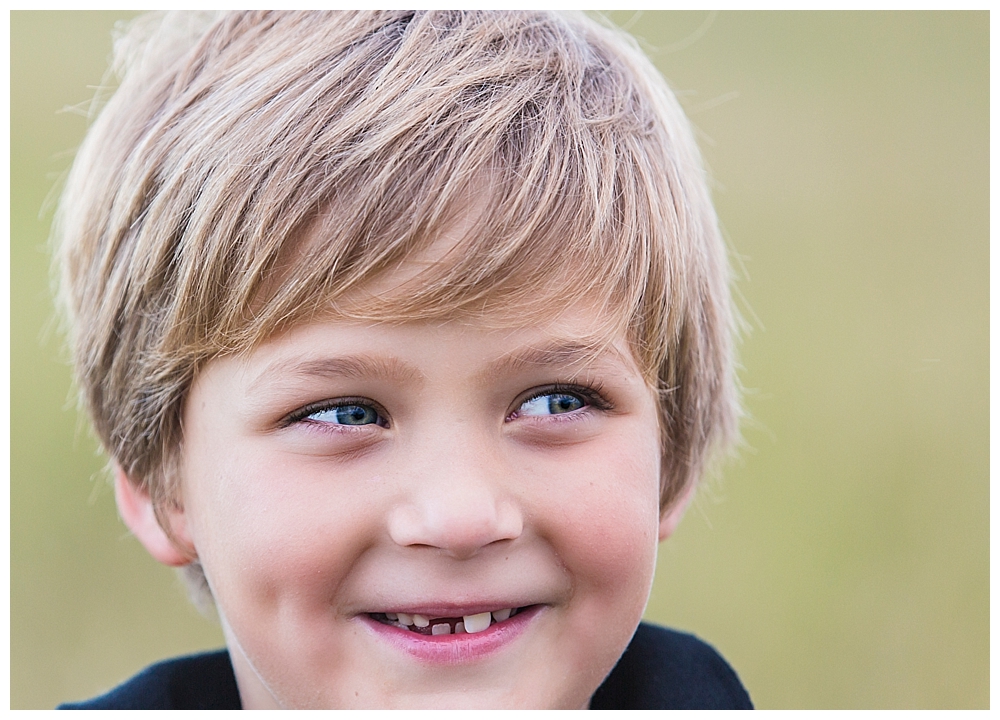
(459, 528)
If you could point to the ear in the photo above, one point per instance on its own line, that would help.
(670, 518)
(136, 510)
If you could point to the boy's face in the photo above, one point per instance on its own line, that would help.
(344, 474)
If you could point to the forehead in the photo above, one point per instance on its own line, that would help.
(466, 297)
(533, 317)
(472, 263)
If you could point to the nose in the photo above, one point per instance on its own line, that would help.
(455, 500)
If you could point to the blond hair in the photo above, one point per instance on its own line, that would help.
(188, 223)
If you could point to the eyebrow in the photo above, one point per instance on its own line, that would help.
(555, 354)
(350, 366)
(362, 367)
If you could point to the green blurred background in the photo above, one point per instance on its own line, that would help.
(842, 561)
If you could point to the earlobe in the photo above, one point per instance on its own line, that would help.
(136, 510)
(671, 517)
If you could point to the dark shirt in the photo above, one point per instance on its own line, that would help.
(661, 669)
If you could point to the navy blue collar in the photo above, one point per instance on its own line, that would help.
(661, 669)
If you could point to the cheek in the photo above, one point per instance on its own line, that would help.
(613, 534)
(265, 527)
(605, 519)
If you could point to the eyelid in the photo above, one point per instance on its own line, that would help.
(319, 406)
(592, 395)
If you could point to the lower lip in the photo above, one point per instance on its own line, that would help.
(454, 649)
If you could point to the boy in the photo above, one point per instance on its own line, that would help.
(408, 335)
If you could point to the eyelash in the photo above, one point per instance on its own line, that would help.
(593, 396)
(303, 413)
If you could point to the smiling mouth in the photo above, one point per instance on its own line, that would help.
(426, 625)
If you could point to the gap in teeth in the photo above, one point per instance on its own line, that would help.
(446, 626)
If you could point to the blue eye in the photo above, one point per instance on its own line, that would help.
(347, 414)
(551, 404)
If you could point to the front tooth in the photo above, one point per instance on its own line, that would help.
(441, 629)
(392, 616)
(404, 619)
(459, 627)
(501, 615)
(477, 623)
(421, 621)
